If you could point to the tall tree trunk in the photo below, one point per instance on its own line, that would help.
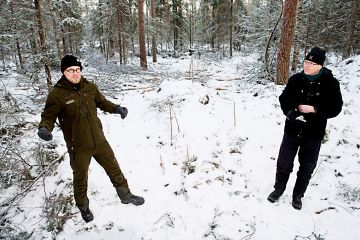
(249, 8)
(18, 50)
(231, 28)
(17, 43)
(42, 43)
(176, 26)
(351, 29)
(120, 35)
(213, 27)
(267, 49)
(307, 32)
(143, 61)
(64, 44)
(55, 20)
(283, 57)
(34, 52)
(297, 36)
(154, 44)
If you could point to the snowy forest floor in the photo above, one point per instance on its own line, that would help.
(205, 172)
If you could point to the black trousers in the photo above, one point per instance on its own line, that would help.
(308, 152)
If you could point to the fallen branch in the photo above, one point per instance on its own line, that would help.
(145, 89)
(325, 209)
(9, 203)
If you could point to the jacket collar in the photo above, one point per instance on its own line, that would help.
(64, 83)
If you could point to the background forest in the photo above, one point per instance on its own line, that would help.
(36, 34)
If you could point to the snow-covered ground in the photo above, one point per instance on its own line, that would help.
(206, 171)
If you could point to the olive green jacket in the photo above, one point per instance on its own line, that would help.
(76, 110)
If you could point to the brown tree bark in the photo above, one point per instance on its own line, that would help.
(143, 61)
(283, 56)
(42, 43)
(231, 28)
(121, 40)
(297, 36)
(351, 29)
(153, 42)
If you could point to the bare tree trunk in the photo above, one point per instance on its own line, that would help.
(266, 57)
(64, 44)
(154, 44)
(17, 43)
(55, 28)
(191, 25)
(231, 28)
(120, 35)
(18, 50)
(3, 58)
(176, 12)
(306, 40)
(297, 36)
(42, 43)
(213, 27)
(34, 52)
(351, 29)
(143, 61)
(283, 57)
(249, 7)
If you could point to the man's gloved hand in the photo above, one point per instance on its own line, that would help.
(44, 133)
(122, 111)
(293, 115)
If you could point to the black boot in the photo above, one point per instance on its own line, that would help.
(274, 195)
(127, 197)
(86, 214)
(296, 203)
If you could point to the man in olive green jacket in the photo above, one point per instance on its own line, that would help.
(74, 101)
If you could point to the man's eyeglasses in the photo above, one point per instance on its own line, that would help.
(311, 64)
(78, 70)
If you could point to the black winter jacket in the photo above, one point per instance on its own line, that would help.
(323, 93)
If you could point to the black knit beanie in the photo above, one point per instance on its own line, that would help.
(69, 61)
(316, 55)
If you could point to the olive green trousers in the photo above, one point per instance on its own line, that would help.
(80, 162)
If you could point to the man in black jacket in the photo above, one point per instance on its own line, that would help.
(308, 100)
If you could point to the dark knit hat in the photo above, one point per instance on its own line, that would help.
(316, 55)
(69, 61)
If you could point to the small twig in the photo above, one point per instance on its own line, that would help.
(146, 89)
(341, 207)
(234, 115)
(175, 118)
(170, 124)
(325, 209)
(162, 165)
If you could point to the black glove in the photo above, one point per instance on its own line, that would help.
(122, 111)
(295, 116)
(45, 134)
